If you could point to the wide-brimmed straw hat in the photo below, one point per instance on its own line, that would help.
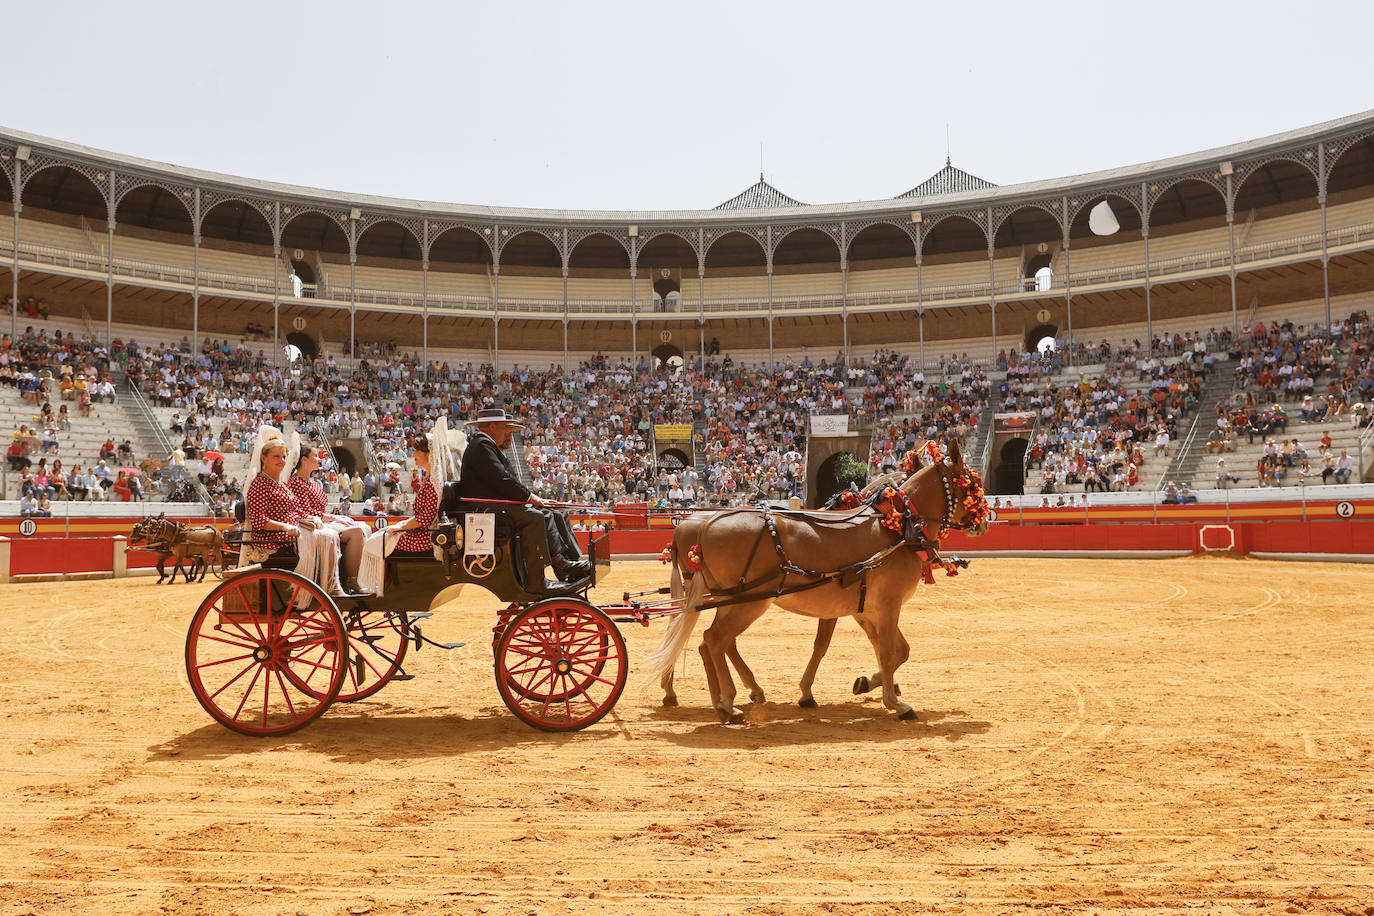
(495, 415)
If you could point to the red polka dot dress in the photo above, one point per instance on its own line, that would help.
(270, 500)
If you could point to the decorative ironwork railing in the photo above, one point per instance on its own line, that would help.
(930, 295)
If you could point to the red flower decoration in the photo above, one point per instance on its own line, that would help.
(667, 556)
(694, 558)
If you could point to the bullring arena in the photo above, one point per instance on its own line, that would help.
(1147, 692)
(1109, 736)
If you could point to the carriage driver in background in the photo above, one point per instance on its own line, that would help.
(546, 538)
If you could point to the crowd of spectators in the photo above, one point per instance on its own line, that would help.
(1289, 375)
(590, 428)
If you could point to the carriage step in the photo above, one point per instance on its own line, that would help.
(449, 645)
(402, 676)
(418, 615)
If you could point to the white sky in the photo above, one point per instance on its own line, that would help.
(645, 105)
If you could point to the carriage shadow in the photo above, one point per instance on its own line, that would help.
(376, 734)
(782, 724)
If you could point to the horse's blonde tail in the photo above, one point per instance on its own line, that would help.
(663, 658)
(676, 581)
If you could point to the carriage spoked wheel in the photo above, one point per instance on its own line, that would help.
(561, 664)
(377, 644)
(266, 652)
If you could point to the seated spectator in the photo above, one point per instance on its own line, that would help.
(1344, 465)
(18, 461)
(28, 505)
(107, 450)
(121, 489)
(44, 509)
(1224, 476)
(1171, 494)
(76, 483)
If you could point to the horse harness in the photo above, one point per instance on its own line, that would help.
(913, 535)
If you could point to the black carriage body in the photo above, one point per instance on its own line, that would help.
(560, 662)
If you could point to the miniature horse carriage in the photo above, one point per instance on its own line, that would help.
(269, 651)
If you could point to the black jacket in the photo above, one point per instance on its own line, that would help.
(488, 474)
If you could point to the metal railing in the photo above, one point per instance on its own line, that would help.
(184, 275)
(164, 443)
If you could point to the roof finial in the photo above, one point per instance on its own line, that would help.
(946, 144)
(760, 160)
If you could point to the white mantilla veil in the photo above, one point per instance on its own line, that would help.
(446, 448)
(267, 435)
(293, 455)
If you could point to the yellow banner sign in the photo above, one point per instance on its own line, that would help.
(680, 432)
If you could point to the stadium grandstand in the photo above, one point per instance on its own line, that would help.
(1114, 333)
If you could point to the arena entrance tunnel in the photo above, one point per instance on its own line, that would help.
(303, 341)
(1031, 344)
(674, 459)
(1008, 477)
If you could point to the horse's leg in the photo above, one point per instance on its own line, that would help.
(669, 694)
(746, 675)
(825, 629)
(730, 622)
(161, 567)
(892, 650)
(873, 681)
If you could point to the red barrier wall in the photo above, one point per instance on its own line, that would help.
(54, 555)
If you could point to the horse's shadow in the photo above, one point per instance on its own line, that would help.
(781, 724)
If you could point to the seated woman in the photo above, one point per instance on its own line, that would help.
(311, 501)
(415, 538)
(276, 518)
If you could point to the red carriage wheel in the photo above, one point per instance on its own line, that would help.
(561, 664)
(265, 653)
(377, 644)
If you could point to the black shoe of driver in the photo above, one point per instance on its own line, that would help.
(575, 571)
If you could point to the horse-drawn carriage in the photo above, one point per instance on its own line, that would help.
(268, 651)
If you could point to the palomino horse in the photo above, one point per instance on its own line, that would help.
(170, 538)
(822, 566)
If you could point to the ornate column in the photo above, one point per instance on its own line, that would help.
(844, 290)
(496, 305)
(768, 265)
(1231, 236)
(276, 281)
(424, 291)
(1321, 203)
(634, 319)
(992, 280)
(1068, 276)
(1145, 233)
(565, 315)
(701, 293)
(920, 289)
(109, 262)
(352, 293)
(195, 272)
(14, 271)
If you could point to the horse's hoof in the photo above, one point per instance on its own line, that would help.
(861, 686)
(730, 716)
(757, 697)
(908, 716)
(807, 703)
(670, 701)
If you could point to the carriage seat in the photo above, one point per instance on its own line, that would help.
(281, 558)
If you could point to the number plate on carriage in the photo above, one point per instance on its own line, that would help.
(479, 534)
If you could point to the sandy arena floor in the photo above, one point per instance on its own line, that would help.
(1093, 736)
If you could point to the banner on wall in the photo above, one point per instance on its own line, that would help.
(830, 424)
(673, 432)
